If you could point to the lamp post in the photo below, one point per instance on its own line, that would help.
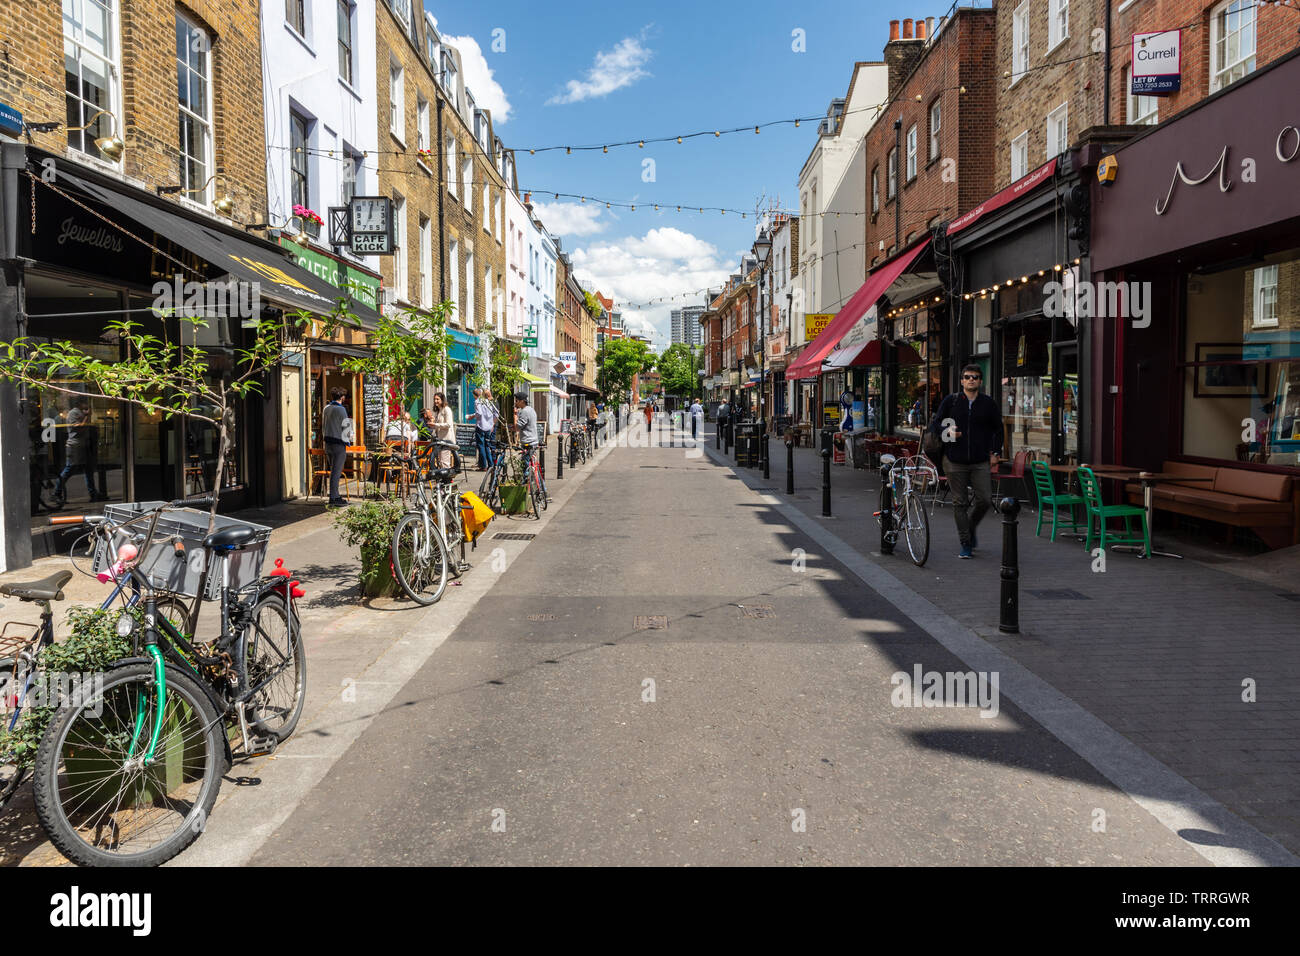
(762, 247)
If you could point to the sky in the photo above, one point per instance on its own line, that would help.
(587, 73)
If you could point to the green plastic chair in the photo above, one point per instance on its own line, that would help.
(1048, 495)
(1104, 512)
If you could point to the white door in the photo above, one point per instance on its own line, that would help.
(291, 423)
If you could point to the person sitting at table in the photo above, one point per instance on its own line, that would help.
(401, 429)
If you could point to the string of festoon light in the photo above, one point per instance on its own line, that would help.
(1008, 283)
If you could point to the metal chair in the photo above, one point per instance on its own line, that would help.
(1048, 495)
(1103, 512)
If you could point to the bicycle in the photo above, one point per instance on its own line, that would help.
(429, 540)
(489, 487)
(128, 775)
(535, 481)
(902, 484)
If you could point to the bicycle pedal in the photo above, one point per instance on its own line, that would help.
(463, 566)
(262, 746)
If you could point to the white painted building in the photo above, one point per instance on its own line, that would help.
(540, 314)
(518, 228)
(787, 308)
(319, 98)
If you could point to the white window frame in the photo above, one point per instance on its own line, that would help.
(1263, 302)
(421, 123)
(347, 10)
(489, 302)
(1019, 42)
(397, 101)
(426, 262)
(1020, 151)
(453, 277)
(467, 180)
(74, 35)
(891, 174)
(1058, 23)
(449, 148)
(936, 125)
(401, 278)
(469, 290)
(1248, 22)
(1058, 116)
(1139, 110)
(911, 152)
(202, 189)
(306, 171)
(875, 189)
(351, 175)
(487, 204)
(292, 10)
(402, 8)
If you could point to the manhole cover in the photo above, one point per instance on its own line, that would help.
(541, 617)
(1060, 594)
(758, 610)
(651, 622)
(512, 536)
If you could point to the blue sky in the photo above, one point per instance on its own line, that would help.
(588, 73)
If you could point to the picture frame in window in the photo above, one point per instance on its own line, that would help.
(1221, 373)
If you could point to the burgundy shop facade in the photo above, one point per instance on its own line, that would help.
(1204, 216)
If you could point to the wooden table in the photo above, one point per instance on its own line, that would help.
(1149, 479)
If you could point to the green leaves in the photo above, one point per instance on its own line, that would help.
(620, 360)
(677, 370)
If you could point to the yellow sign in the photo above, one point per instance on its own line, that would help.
(813, 323)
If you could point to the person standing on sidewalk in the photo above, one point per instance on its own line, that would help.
(485, 425)
(697, 416)
(972, 445)
(442, 423)
(339, 432)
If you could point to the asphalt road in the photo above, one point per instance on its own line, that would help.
(555, 727)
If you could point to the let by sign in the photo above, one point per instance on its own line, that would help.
(1157, 63)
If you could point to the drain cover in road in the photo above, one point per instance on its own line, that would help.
(758, 610)
(541, 617)
(512, 536)
(651, 622)
(1060, 594)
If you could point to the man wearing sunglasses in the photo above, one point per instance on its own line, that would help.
(971, 449)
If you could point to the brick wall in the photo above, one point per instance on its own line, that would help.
(32, 79)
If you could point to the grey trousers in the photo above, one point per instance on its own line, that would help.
(979, 478)
(336, 454)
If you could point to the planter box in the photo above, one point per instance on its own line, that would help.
(514, 498)
(377, 573)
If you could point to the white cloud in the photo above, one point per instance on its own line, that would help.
(612, 70)
(488, 94)
(570, 218)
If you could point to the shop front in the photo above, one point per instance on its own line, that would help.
(1199, 236)
(83, 250)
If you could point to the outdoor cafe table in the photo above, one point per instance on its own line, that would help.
(1148, 480)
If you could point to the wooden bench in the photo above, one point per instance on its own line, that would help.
(1265, 502)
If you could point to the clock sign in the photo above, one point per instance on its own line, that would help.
(370, 224)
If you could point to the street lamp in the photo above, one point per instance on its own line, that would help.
(762, 247)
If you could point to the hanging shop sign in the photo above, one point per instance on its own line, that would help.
(530, 337)
(364, 225)
(813, 323)
(362, 287)
(570, 362)
(1157, 63)
(11, 121)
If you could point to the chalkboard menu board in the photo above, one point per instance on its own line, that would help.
(372, 399)
(466, 441)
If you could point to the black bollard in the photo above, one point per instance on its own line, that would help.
(573, 450)
(767, 464)
(726, 437)
(789, 462)
(826, 479)
(559, 458)
(1009, 622)
(717, 435)
(661, 431)
(886, 511)
(541, 460)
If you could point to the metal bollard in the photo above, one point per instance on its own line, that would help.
(1009, 619)
(789, 462)
(559, 458)
(767, 464)
(886, 511)
(573, 450)
(826, 479)
(717, 435)
(661, 431)
(726, 437)
(541, 460)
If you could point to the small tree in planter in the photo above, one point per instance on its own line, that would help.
(514, 490)
(369, 525)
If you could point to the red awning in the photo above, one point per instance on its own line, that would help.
(810, 361)
(870, 354)
(1013, 192)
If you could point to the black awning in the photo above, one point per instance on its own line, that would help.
(278, 279)
(575, 388)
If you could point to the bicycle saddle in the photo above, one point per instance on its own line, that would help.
(229, 539)
(46, 589)
(443, 474)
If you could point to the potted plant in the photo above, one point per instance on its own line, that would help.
(309, 219)
(514, 491)
(369, 525)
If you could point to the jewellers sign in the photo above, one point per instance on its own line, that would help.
(1157, 63)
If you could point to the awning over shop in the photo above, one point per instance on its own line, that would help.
(577, 388)
(278, 280)
(810, 362)
(870, 354)
(464, 347)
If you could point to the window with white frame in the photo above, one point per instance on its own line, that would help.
(93, 74)
(1020, 156)
(501, 216)
(1058, 130)
(299, 159)
(469, 111)
(891, 176)
(400, 284)
(426, 262)
(403, 10)
(396, 101)
(487, 204)
(295, 14)
(935, 125)
(911, 152)
(875, 189)
(449, 146)
(422, 123)
(449, 74)
(1142, 110)
(467, 179)
(352, 175)
(346, 12)
(432, 46)
(1265, 312)
(1058, 22)
(469, 289)
(1020, 41)
(194, 90)
(453, 277)
(1232, 42)
(489, 306)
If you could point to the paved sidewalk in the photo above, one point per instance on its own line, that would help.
(1160, 650)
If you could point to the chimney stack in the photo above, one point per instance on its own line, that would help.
(528, 198)
(907, 28)
(920, 30)
(893, 30)
(929, 26)
(902, 52)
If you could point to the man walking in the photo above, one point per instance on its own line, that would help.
(697, 416)
(485, 424)
(972, 439)
(337, 429)
(79, 450)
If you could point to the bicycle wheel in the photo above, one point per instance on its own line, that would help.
(12, 684)
(275, 658)
(917, 525)
(419, 559)
(98, 802)
(455, 534)
(177, 613)
(536, 497)
(487, 489)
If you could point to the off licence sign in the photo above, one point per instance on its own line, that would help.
(1157, 63)
(813, 323)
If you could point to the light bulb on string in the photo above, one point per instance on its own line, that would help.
(679, 141)
(568, 151)
(641, 144)
(796, 124)
(605, 149)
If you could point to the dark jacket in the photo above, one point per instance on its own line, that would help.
(980, 425)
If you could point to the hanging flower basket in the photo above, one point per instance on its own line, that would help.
(308, 220)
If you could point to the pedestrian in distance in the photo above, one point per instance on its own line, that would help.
(697, 417)
(972, 445)
(649, 414)
(338, 431)
(442, 425)
(485, 425)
